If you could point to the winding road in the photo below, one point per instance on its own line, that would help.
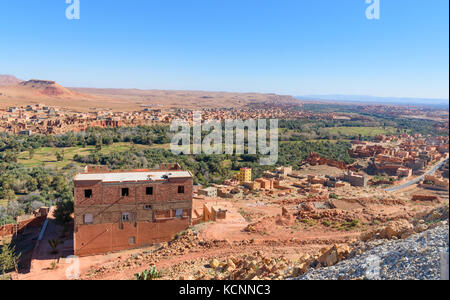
(418, 179)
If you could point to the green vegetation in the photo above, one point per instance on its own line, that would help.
(37, 170)
(148, 274)
(336, 130)
(210, 169)
(5, 277)
(48, 157)
(8, 258)
(64, 209)
(12, 145)
(378, 179)
(53, 265)
(23, 190)
(334, 196)
(366, 119)
(309, 222)
(359, 131)
(326, 223)
(347, 226)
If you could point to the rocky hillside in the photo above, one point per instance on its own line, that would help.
(46, 88)
(14, 92)
(400, 251)
(415, 258)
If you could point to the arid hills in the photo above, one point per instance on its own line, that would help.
(15, 92)
(6, 80)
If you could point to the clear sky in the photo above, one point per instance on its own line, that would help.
(296, 47)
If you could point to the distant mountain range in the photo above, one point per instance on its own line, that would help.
(378, 100)
(16, 92)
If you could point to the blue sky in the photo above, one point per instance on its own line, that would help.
(295, 47)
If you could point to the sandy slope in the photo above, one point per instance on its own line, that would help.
(85, 99)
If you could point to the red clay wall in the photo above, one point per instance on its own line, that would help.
(8, 229)
(104, 238)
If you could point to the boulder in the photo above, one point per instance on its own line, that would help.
(214, 263)
(334, 255)
(396, 229)
(421, 228)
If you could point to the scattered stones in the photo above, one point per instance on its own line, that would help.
(416, 258)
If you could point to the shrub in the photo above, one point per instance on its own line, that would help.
(8, 258)
(63, 212)
(148, 274)
(326, 223)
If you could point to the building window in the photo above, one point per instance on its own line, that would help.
(148, 207)
(179, 213)
(125, 217)
(88, 219)
(132, 240)
(87, 193)
(181, 189)
(149, 190)
(125, 192)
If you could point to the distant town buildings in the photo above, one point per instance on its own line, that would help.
(433, 182)
(409, 155)
(245, 175)
(359, 180)
(208, 192)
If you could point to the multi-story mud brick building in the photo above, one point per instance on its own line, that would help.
(123, 210)
(245, 175)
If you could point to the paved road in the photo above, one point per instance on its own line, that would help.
(418, 179)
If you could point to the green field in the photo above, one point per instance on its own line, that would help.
(47, 156)
(315, 141)
(363, 131)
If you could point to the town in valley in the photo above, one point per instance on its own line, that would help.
(226, 147)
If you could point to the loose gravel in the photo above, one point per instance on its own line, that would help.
(415, 258)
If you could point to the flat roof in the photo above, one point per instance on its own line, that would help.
(132, 176)
(211, 188)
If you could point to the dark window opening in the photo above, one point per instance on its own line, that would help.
(149, 190)
(125, 217)
(125, 192)
(147, 207)
(181, 189)
(87, 193)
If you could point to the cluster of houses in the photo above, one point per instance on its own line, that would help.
(402, 157)
(42, 119)
(281, 182)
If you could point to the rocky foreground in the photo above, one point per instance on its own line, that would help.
(414, 258)
(397, 250)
